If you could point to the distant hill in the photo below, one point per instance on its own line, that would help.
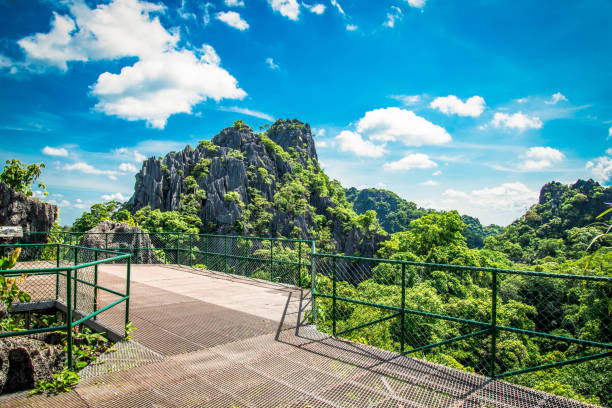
(395, 214)
(558, 226)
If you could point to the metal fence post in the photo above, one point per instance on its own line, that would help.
(206, 252)
(95, 297)
(57, 264)
(225, 251)
(136, 245)
(313, 273)
(69, 318)
(190, 250)
(271, 261)
(127, 293)
(106, 240)
(178, 248)
(76, 262)
(493, 324)
(334, 297)
(403, 324)
(299, 274)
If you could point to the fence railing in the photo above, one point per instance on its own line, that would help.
(67, 274)
(496, 322)
(274, 259)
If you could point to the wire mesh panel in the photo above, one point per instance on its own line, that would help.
(499, 323)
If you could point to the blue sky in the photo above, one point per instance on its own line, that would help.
(469, 105)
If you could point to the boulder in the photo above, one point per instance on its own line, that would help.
(24, 361)
(121, 237)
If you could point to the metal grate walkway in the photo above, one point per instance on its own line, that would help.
(205, 339)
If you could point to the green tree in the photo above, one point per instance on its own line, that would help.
(20, 176)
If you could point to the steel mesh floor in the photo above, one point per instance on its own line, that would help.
(198, 354)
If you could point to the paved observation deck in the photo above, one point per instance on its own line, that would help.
(206, 339)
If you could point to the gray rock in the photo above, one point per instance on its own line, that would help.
(33, 215)
(24, 361)
(122, 238)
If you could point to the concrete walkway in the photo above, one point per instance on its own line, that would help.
(205, 339)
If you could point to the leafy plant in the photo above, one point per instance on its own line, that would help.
(20, 176)
(129, 329)
(62, 381)
(9, 287)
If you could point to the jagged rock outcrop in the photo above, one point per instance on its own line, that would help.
(267, 184)
(24, 361)
(16, 209)
(121, 237)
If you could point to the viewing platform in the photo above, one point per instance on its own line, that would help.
(210, 339)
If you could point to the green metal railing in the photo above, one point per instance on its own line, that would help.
(358, 276)
(509, 308)
(45, 278)
(274, 259)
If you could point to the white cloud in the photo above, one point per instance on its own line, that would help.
(273, 65)
(353, 142)
(287, 8)
(416, 3)
(609, 151)
(114, 196)
(610, 132)
(234, 3)
(232, 19)
(473, 106)
(89, 169)
(318, 132)
(395, 14)
(337, 6)
(351, 27)
(556, 98)
(395, 124)
(164, 81)
(128, 168)
(249, 112)
(407, 99)
(516, 121)
(601, 168)
(411, 161)
(55, 151)
(154, 89)
(315, 8)
(505, 197)
(321, 143)
(380, 184)
(436, 173)
(123, 153)
(522, 100)
(538, 158)
(429, 183)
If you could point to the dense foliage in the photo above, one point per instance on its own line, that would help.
(571, 308)
(395, 214)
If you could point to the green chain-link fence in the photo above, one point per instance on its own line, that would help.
(68, 275)
(496, 322)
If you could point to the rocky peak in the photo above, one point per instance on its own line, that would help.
(294, 135)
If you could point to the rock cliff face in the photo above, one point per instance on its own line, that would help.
(16, 209)
(261, 184)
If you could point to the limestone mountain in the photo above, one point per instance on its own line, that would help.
(561, 225)
(267, 184)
